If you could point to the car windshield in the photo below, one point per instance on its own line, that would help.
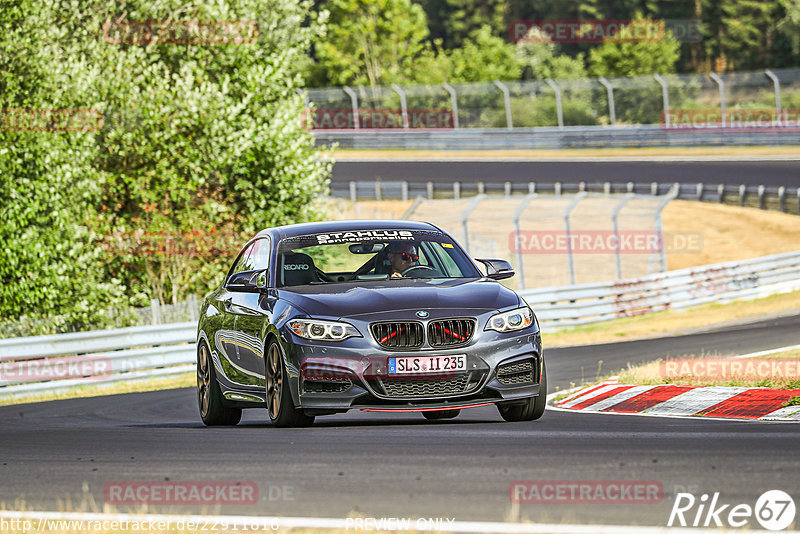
(369, 255)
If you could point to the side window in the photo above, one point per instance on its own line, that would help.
(242, 261)
(260, 255)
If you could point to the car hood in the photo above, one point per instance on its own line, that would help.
(353, 299)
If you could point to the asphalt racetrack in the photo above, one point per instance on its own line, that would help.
(785, 172)
(62, 454)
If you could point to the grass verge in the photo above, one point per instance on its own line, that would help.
(719, 371)
(182, 380)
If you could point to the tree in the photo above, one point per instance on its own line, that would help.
(195, 139)
(616, 57)
(738, 33)
(370, 42)
(456, 21)
(484, 58)
(539, 61)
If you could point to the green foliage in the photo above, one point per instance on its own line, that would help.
(789, 24)
(539, 61)
(370, 42)
(454, 22)
(484, 58)
(200, 139)
(738, 33)
(620, 58)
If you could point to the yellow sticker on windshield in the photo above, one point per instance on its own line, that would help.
(447, 245)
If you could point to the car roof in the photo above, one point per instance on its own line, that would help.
(293, 230)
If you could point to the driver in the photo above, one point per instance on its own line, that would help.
(401, 256)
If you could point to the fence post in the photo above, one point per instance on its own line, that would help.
(193, 307)
(354, 102)
(403, 108)
(581, 186)
(517, 214)
(654, 188)
(465, 218)
(559, 110)
(457, 190)
(612, 113)
(700, 189)
(507, 100)
(414, 205)
(721, 193)
(721, 83)
(659, 226)
(781, 198)
(742, 194)
(777, 85)
(630, 187)
(798, 200)
(481, 188)
(664, 98)
(429, 189)
(761, 204)
(607, 188)
(353, 192)
(378, 192)
(507, 189)
(155, 311)
(453, 103)
(531, 187)
(557, 189)
(567, 212)
(615, 226)
(404, 190)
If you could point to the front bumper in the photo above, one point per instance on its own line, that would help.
(354, 374)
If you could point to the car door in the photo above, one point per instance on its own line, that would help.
(226, 338)
(251, 310)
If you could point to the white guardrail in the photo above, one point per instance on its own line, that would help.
(58, 363)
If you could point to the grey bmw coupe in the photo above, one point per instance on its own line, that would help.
(384, 316)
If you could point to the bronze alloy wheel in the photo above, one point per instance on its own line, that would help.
(280, 406)
(209, 396)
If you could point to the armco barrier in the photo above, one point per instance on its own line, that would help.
(165, 350)
(587, 303)
(548, 138)
(779, 198)
(130, 354)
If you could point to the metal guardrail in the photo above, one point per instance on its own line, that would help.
(778, 198)
(548, 138)
(587, 303)
(62, 362)
(138, 353)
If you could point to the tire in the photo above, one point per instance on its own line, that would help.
(530, 409)
(209, 396)
(441, 414)
(280, 406)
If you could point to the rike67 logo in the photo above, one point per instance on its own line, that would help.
(774, 510)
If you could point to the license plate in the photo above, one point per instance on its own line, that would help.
(427, 364)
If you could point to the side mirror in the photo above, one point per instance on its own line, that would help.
(248, 281)
(497, 269)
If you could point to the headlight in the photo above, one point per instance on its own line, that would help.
(511, 320)
(323, 330)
